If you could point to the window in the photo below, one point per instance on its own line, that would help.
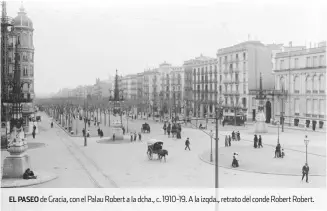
(25, 73)
(308, 106)
(322, 83)
(322, 107)
(236, 56)
(220, 88)
(322, 60)
(244, 66)
(220, 78)
(202, 78)
(315, 106)
(236, 88)
(206, 87)
(198, 87)
(297, 84)
(236, 77)
(296, 63)
(308, 62)
(315, 61)
(315, 83)
(296, 105)
(281, 64)
(244, 56)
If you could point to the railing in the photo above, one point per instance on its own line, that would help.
(315, 91)
(321, 116)
(308, 115)
(314, 115)
(296, 91)
(308, 91)
(322, 91)
(297, 114)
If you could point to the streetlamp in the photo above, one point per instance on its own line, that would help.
(306, 142)
(211, 135)
(278, 132)
(217, 110)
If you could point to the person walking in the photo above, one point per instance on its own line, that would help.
(168, 130)
(51, 124)
(83, 131)
(187, 144)
(238, 136)
(260, 142)
(33, 134)
(135, 136)
(229, 141)
(226, 141)
(255, 141)
(131, 137)
(123, 128)
(305, 172)
(88, 133)
(140, 136)
(113, 136)
(233, 136)
(164, 128)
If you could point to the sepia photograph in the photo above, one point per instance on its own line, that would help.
(163, 94)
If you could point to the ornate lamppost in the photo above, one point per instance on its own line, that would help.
(306, 142)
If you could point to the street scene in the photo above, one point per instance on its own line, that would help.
(250, 114)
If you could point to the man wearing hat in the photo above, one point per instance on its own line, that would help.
(187, 144)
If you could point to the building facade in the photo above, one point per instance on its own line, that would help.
(202, 90)
(241, 66)
(23, 34)
(303, 74)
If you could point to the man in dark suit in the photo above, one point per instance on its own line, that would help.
(305, 172)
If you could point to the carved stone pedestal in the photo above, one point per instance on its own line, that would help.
(260, 125)
(117, 130)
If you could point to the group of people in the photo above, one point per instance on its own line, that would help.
(100, 132)
(174, 129)
(236, 136)
(279, 152)
(87, 134)
(134, 135)
(257, 141)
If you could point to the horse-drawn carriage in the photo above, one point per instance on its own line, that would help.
(145, 128)
(155, 147)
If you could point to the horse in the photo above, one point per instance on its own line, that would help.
(162, 153)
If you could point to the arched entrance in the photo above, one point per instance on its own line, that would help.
(268, 111)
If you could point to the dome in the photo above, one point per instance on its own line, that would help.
(22, 20)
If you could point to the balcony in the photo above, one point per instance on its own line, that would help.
(236, 70)
(308, 91)
(226, 71)
(296, 91)
(296, 114)
(322, 91)
(315, 91)
(314, 115)
(227, 81)
(321, 116)
(308, 115)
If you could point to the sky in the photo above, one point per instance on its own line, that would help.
(78, 41)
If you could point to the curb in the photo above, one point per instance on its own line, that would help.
(17, 183)
(257, 172)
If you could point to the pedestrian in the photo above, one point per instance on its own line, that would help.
(88, 133)
(164, 128)
(140, 136)
(187, 144)
(233, 136)
(131, 137)
(260, 142)
(101, 133)
(113, 136)
(123, 128)
(135, 136)
(226, 141)
(51, 124)
(277, 151)
(168, 130)
(33, 134)
(305, 172)
(255, 141)
(83, 131)
(283, 154)
(229, 141)
(89, 123)
(235, 160)
(238, 136)
(173, 130)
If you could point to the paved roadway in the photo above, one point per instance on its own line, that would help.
(127, 165)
